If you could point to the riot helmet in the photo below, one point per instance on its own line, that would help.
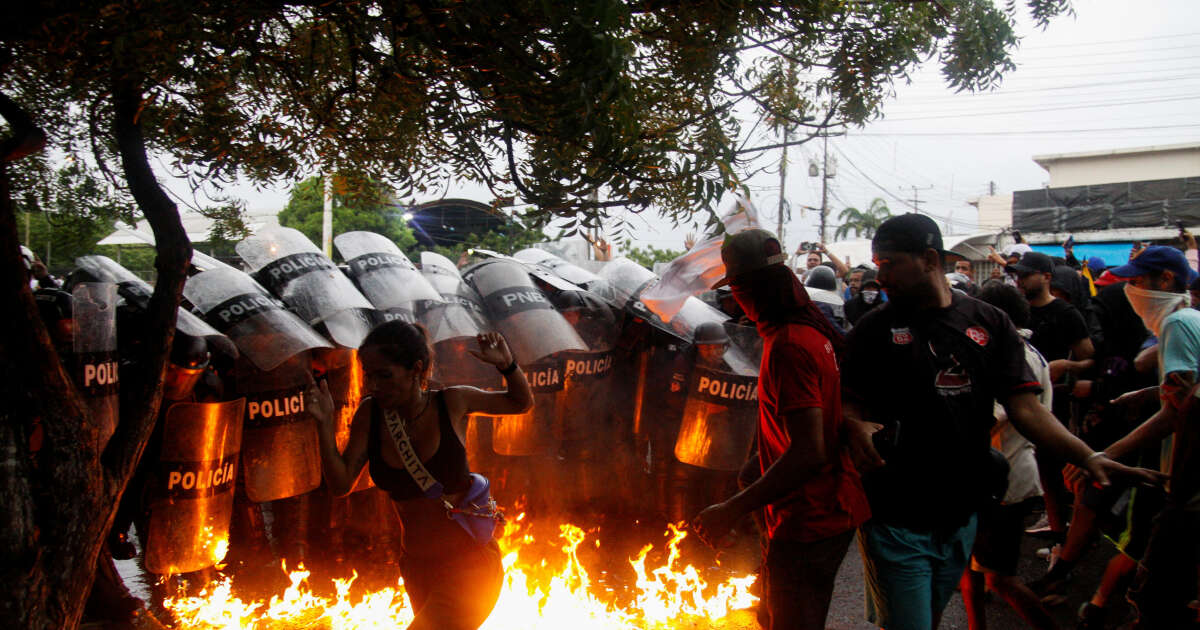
(821, 277)
(188, 359)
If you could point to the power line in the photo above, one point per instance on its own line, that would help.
(1075, 86)
(1189, 97)
(1021, 133)
(1114, 52)
(1113, 41)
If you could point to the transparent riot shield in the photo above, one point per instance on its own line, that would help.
(460, 312)
(719, 419)
(290, 266)
(343, 373)
(587, 390)
(566, 270)
(453, 322)
(192, 490)
(96, 371)
(235, 305)
(384, 274)
(532, 433)
(280, 454)
(521, 312)
(138, 292)
(624, 282)
(837, 304)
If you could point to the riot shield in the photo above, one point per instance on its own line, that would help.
(567, 271)
(192, 493)
(719, 419)
(587, 373)
(137, 292)
(281, 456)
(235, 305)
(96, 372)
(532, 433)
(452, 323)
(625, 281)
(460, 312)
(533, 329)
(288, 264)
(384, 274)
(833, 299)
(343, 373)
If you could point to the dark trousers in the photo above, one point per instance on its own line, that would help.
(454, 592)
(799, 579)
(1167, 579)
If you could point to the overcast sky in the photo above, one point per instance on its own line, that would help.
(1116, 75)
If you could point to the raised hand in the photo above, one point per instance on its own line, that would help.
(493, 349)
(318, 403)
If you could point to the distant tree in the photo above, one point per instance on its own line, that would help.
(365, 206)
(862, 222)
(64, 212)
(648, 255)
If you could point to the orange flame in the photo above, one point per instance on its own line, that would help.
(534, 596)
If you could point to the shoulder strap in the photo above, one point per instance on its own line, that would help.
(424, 480)
(443, 411)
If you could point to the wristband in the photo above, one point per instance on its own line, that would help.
(1094, 456)
(512, 367)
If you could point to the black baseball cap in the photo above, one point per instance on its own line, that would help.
(749, 250)
(1032, 262)
(910, 233)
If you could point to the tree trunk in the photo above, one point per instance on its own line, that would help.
(59, 494)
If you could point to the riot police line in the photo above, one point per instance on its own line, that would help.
(633, 416)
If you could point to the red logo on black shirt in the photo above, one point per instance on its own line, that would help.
(978, 335)
(901, 336)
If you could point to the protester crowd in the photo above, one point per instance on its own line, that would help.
(1051, 387)
(936, 418)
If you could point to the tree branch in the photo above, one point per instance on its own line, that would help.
(174, 253)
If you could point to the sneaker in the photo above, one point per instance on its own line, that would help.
(1041, 526)
(1090, 617)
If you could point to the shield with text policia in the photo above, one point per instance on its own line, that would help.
(720, 414)
(536, 333)
(384, 275)
(281, 456)
(191, 499)
(280, 453)
(95, 344)
(138, 292)
(587, 374)
(453, 323)
(264, 332)
(291, 267)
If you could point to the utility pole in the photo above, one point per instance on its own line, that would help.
(327, 216)
(824, 184)
(824, 174)
(916, 199)
(783, 183)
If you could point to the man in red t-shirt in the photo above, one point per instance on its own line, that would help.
(813, 496)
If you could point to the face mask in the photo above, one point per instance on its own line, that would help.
(746, 301)
(870, 295)
(1154, 306)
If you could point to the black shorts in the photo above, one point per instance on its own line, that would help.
(998, 538)
(1125, 515)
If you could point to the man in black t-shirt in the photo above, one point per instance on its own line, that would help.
(923, 370)
(1059, 330)
(1060, 334)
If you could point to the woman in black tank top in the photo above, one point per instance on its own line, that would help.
(452, 580)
